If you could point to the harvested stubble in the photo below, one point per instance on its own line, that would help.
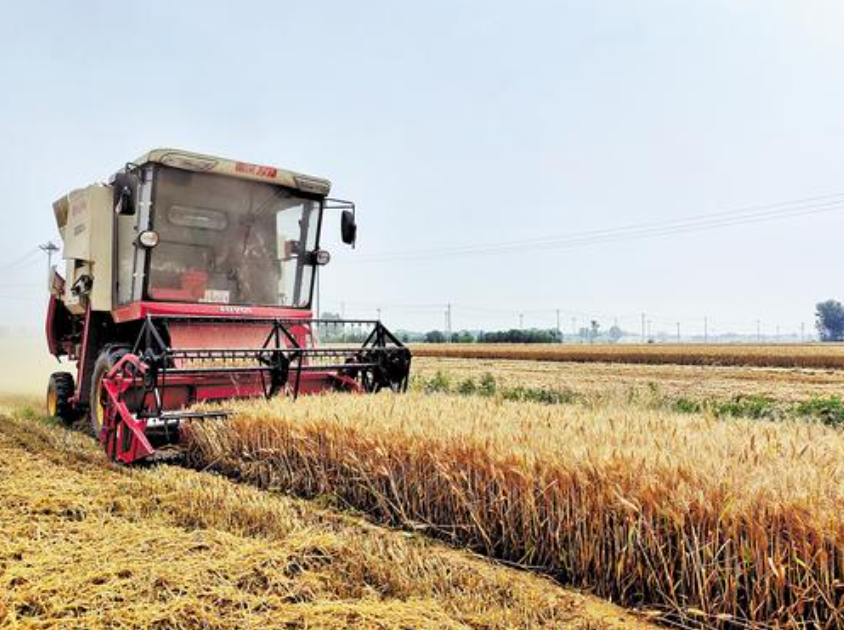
(826, 356)
(87, 545)
(605, 380)
(728, 524)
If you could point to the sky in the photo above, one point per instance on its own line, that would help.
(456, 124)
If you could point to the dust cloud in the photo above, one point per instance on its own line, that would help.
(26, 365)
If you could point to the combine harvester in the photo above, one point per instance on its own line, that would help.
(189, 279)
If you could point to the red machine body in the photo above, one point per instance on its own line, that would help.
(186, 354)
(210, 268)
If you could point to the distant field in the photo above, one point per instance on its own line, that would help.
(601, 379)
(827, 356)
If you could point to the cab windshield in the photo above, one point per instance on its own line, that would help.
(230, 241)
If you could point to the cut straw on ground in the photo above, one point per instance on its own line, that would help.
(85, 544)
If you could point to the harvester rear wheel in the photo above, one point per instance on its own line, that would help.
(59, 392)
(107, 360)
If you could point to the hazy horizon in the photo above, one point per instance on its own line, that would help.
(461, 125)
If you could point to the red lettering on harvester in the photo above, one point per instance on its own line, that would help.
(254, 169)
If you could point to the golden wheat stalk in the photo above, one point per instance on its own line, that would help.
(730, 522)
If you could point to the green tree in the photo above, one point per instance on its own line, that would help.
(594, 329)
(532, 335)
(464, 336)
(615, 334)
(829, 320)
(434, 336)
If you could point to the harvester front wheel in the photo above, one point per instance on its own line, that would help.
(59, 392)
(108, 359)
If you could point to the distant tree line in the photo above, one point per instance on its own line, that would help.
(438, 336)
(531, 335)
(589, 334)
(331, 332)
(514, 335)
(592, 334)
(829, 322)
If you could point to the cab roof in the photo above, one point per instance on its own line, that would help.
(202, 163)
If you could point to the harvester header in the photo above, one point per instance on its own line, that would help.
(190, 278)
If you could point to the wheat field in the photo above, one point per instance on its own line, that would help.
(717, 523)
(87, 544)
(761, 355)
(608, 380)
(700, 522)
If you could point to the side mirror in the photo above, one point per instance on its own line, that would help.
(125, 185)
(348, 227)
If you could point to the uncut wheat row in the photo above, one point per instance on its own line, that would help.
(722, 523)
(768, 355)
(87, 545)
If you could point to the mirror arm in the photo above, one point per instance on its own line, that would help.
(346, 207)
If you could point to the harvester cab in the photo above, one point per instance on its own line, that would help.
(190, 278)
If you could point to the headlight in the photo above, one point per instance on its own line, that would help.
(148, 238)
(322, 257)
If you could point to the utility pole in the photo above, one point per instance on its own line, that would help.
(49, 248)
(678, 332)
(559, 330)
(802, 333)
(643, 328)
(448, 323)
(521, 321)
(705, 329)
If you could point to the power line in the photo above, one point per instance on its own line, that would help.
(22, 298)
(652, 324)
(757, 214)
(581, 242)
(27, 258)
(770, 209)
